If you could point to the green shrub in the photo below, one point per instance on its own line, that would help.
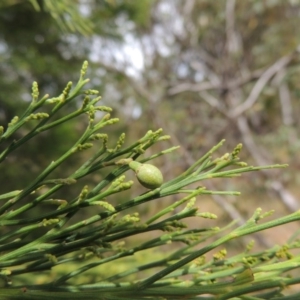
(51, 248)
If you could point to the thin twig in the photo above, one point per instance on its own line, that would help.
(260, 84)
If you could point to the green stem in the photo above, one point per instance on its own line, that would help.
(244, 230)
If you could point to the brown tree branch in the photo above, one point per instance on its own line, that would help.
(260, 84)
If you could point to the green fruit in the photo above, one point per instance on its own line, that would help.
(148, 175)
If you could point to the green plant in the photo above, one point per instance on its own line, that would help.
(59, 241)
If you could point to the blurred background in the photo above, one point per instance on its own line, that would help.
(202, 70)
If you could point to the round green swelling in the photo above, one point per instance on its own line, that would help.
(148, 175)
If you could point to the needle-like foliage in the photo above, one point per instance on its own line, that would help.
(70, 246)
